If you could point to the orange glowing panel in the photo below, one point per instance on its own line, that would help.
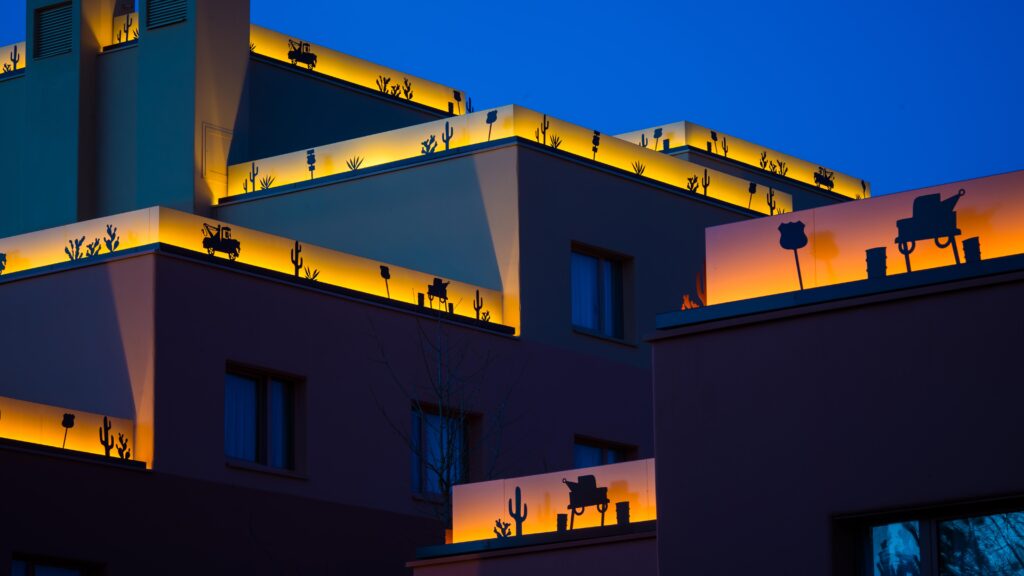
(745, 259)
(390, 82)
(43, 424)
(432, 139)
(12, 57)
(83, 240)
(679, 134)
(476, 507)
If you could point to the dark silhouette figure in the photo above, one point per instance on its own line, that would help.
(933, 219)
(382, 83)
(541, 134)
(385, 273)
(122, 447)
(407, 89)
(458, 100)
(297, 260)
(752, 189)
(824, 178)
(876, 259)
(311, 161)
(492, 117)
(519, 513)
(478, 304)
(657, 136)
(429, 145)
(446, 135)
(584, 492)
(439, 290)
(105, 440)
(298, 52)
(972, 250)
(218, 239)
(74, 248)
(792, 237)
(68, 423)
(112, 240)
(3, 262)
(354, 163)
(622, 513)
(501, 529)
(561, 522)
(596, 141)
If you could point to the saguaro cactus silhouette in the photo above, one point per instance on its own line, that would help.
(705, 182)
(643, 140)
(296, 259)
(478, 304)
(770, 198)
(105, 439)
(15, 57)
(519, 513)
(250, 184)
(446, 136)
(544, 125)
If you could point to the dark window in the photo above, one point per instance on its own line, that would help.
(165, 12)
(896, 549)
(53, 31)
(587, 453)
(438, 451)
(597, 294)
(31, 567)
(259, 419)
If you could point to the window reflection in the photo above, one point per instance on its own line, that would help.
(896, 549)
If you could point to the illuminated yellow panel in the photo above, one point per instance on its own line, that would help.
(745, 259)
(679, 134)
(355, 70)
(143, 227)
(476, 507)
(12, 57)
(43, 424)
(126, 28)
(495, 124)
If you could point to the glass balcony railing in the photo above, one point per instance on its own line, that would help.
(85, 241)
(388, 81)
(620, 493)
(434, 139)
(12, 58)
(67, 428)
(673, 136)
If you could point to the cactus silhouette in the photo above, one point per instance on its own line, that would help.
(112, 240)
(296, 259)
(764, 160)
(74, 248)
(486, 316)
(126, 28)
(266, 182)
(354, 163)
(105, 439)
(643, 140)
(478, 304)
(725, 146)
(3, 262)
(382, 83)
(394, 90)
(556, 141)
(15, 57)
(446, 136)
(311, 274)
(705, 182)
(407, 88)
(691, 184)
(596, 141)
(501, 529)
(544, 125)
(519, 513)
(122, 447)
(492, 117)
(639, 168)
(253, 172)
(783, 169)
(770, 198)
(429, 145)
(469, 105)
(93, 249)
(657, 136)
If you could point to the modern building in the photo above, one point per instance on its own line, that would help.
(277, 309)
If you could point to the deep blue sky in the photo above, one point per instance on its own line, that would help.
(902, 93)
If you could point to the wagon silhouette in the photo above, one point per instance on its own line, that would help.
(299, 53)
(218, 239)
(933, 219)
(584, 492)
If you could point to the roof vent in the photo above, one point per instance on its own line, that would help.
(164, 13)
(53, 31)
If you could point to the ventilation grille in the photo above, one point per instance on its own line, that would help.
(53, 31)
(164, 12)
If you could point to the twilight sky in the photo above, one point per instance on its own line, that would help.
(903, 93)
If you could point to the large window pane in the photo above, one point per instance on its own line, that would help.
(279, 424)
(896, 549)
(611, 298)
(241, 417)
(439, 446)
(585, 456)
(984, 545)
(585, 303)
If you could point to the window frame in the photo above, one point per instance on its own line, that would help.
(418, 468)
(296, 386)
(628, 451)
(33, 561)
(622, 276)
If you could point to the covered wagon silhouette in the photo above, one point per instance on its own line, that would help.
(933, 219)
(584, 492)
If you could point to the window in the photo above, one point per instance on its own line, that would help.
(896, 549)
(438, 451)
(587, 453)
(597, 294)
(26, 567)
(259, 419)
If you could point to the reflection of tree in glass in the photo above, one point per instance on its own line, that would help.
(988, 545)
(897, 549)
